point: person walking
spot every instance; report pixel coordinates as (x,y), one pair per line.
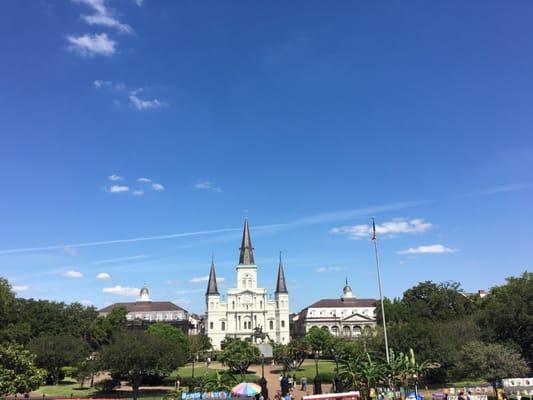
(303,382)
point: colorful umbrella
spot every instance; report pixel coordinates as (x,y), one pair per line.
(246,389)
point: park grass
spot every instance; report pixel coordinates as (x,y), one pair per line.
(308,369)
(66,388)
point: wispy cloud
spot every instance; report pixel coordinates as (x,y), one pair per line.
(70,251)
(91,45)
(503,189)
(138,192)
(20,288)
(119,189)
(144,180)
(103,16)
(143,104)
(309,220)
(202,279)
(390,228)
(103,276)
(329,269)
(115,178)
(431,249)
(157,187)
(73,274)
(119,290)
(118,259)
(207,185)
(101,84)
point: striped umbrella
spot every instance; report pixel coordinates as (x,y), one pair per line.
(246,389)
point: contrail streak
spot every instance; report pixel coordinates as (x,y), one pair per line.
(315,219)
(106,242)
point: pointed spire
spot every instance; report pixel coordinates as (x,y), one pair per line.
(281,286)
(246,257)
(212,283)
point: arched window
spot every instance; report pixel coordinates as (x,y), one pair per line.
(346,331)
(223,326)
(261,304)
(335,330)
(357,331)
(271,325)
(283,324)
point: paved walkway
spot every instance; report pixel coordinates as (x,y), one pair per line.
(272,376)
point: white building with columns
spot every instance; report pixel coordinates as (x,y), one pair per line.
(247,307)
(345,316)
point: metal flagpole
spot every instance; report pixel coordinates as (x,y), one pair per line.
(375,240)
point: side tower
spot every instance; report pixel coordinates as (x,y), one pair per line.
(214,316)
(282,306)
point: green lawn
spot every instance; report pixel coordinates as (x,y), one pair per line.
(66,388)
(200,370)
(309,371)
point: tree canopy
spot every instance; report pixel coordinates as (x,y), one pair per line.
(18,373)
(136,355)
(238,355)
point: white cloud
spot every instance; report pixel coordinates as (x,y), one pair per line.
(122,291)
(73,274)
(103,16)
(90,45)
(207,185)
(202,279)
(329,269)
(144,180)
(115,178)
(157,187)
(137,192)
(70,251)
(390,228)
(143,105)
(100,84)
(104,276)
(107,20)
(119,189)
(20,288)
(431,249)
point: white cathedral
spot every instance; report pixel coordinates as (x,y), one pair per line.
(248,307)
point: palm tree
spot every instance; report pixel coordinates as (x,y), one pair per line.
(219,381)
(364,373)
(397,369)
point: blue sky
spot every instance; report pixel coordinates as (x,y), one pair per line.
(311,115)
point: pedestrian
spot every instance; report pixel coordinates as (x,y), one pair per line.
(291,383)
(303,381)
(294,381)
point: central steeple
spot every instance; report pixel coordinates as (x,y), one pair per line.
(246,256)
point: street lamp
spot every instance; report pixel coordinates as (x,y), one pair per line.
(415,377)
(338,382)
(263,381)
(317,383)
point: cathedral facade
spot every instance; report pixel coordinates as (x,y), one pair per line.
(247,308)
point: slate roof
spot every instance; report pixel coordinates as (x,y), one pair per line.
(281,285)
(339,303)
(144,306)
(246,255)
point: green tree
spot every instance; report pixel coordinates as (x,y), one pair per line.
(18,373)
(238,355)
(491,361)
(506,314)
(138,355)
(364,373)
(172,333)
(7,299)
(54,352)
(319,339)
(291,355)
(200,343)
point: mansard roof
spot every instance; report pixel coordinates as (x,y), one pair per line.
(340,303)
(246,256)
(143,306)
